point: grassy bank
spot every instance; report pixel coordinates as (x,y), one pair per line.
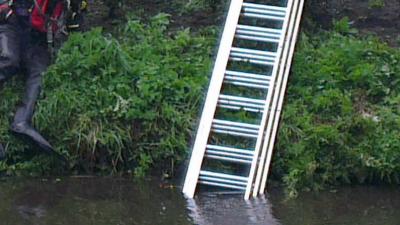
(341,119)
(116,104)
(130,103)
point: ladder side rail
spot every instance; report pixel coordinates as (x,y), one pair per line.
(277,93)
(210,105)
(282,97)
(268,99)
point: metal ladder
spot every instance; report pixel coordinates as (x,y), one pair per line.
(246,70)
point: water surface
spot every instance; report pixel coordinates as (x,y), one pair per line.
(107,201)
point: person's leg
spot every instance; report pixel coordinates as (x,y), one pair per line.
(2,152)
(9,49)
(9,56)
(36,61)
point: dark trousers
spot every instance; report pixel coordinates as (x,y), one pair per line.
(23,52)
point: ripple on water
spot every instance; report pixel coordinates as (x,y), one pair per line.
(107,201)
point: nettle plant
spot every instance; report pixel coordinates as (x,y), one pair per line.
(122,104)
(341,119)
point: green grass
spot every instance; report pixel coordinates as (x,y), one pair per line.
(131,103)
(341,119)
(118,104)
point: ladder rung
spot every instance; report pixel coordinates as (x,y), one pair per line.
(258,78)
(248,75)
(264,11)
(228,149)
(258,33)
(259,62)
(273,32)
(247,79)
(243,99)
(220,180)
(235,128)
(262,16)
(249,56)
(237,124)
(225,177)
(228,158)
(229,154)
(253,56)
(253,52)
(267,7)
(234,102)
(221,185)
(238,83)
(254,38)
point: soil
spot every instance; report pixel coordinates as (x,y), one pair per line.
(99,14)
(383,20)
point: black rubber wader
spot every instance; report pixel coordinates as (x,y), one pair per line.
(24,50)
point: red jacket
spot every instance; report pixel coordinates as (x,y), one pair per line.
(41,14)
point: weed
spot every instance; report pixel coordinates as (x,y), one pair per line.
(376,4)
(340,121)
(121,104)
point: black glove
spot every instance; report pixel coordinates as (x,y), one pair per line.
(75,20)
(5,11)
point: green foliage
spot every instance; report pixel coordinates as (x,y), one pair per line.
(185,6)
(343,26)
(376,4)
(130,103)
(341,120)
(120,104)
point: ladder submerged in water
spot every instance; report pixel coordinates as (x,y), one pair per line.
(237,130)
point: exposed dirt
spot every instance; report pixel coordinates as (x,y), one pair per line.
(382,20)
(99,14)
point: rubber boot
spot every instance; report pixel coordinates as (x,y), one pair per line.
(9,60)
(36,63)
(2,152)
(2,79)
(23,127)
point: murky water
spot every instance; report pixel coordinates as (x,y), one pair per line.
(106,201)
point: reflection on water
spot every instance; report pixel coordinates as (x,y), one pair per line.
(90,201)
(124,202)
(215,209)
(344,206)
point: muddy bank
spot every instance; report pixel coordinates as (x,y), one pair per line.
(379,17)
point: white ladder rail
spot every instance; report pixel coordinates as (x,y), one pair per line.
(277,95)
(281,99)
(210,106)
(269,107)
(268,99)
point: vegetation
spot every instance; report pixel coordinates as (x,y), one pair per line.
(341,120)
(115,105)
(376,4)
